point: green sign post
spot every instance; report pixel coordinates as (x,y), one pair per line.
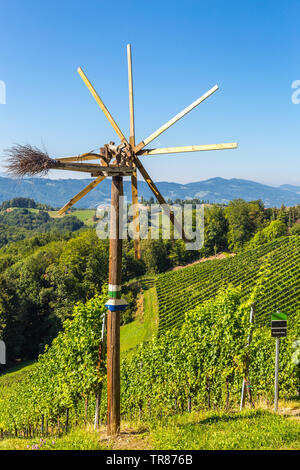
(278,330)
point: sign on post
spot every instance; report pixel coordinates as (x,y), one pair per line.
(278,330)
(278,325)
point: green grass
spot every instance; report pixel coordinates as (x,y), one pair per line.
(85,215)
(16,372)
(143,327)
(255,430)
(21,366)
(77,439)
(53,214)
(250,429)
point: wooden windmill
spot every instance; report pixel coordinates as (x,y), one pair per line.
(114,161)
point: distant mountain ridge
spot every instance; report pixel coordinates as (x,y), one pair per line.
(290,187)
(215,190)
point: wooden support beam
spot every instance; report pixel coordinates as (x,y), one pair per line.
(176,118)
(81,194)
(102,106)
(188,148)
(93,168)
(113,317)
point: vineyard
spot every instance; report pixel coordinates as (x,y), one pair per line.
(269,273)
(199,366)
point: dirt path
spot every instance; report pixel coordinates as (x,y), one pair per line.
(291,413)
(133,439)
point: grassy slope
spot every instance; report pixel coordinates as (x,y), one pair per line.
(145,325)
(259,429)
(85,215)
(250,429)
(14,374)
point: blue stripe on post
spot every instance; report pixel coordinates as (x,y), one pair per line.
(116,304)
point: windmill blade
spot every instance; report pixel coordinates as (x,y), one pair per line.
(160,199)
(102,105)
(131,101)
(188,148)
(176,118)
(81,194)
(134,188)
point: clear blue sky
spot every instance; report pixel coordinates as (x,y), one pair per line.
(180,50)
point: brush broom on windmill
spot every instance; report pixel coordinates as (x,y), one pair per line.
(115,161)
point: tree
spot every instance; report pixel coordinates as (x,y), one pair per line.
(216,227)
(155,255)
(295,230)
(283,215)
(244,218)
(274,230)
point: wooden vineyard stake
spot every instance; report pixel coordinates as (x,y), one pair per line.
(117,162)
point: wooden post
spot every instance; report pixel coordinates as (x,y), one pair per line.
(114,305)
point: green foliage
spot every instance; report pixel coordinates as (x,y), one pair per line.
(275,229)
(296,353)
(244,218)
(203,364)
(38,290)
(216,227)
(295,230)
(23,202)
(39,221)
(20,223)
(155,255)
(71,368)
(205,361)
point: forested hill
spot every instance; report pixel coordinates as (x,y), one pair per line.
(215,190)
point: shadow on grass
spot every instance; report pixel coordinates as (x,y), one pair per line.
(295,398)
(219,418)
(144,283)
(147,283)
